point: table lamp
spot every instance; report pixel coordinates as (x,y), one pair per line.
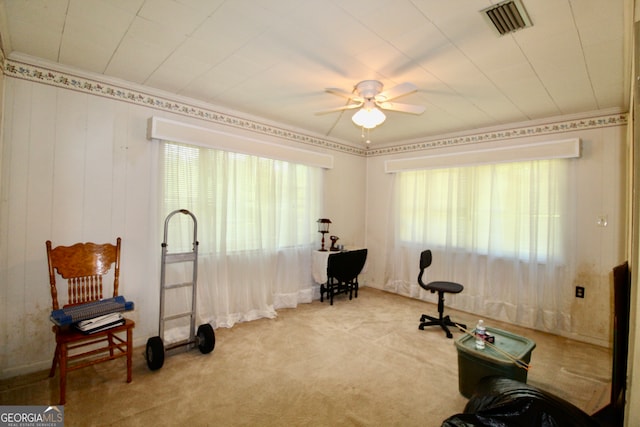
(323,227)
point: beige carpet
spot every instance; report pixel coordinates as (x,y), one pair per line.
(357,363)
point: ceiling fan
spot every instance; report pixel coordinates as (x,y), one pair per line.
(369,97)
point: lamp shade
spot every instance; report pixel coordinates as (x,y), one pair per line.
(323,225)
(368,118)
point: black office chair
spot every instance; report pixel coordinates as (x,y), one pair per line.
(441,288)
(343,269)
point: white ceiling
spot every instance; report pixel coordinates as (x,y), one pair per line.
(274,58)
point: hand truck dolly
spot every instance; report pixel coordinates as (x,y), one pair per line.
(204,338)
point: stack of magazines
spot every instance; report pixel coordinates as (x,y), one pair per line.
(100,323)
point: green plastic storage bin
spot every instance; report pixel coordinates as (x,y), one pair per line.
(474,364)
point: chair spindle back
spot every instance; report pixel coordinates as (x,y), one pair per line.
(83,265)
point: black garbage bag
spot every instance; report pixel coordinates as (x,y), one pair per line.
(503,402)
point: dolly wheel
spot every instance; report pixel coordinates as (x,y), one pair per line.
(206,338)
(155,353)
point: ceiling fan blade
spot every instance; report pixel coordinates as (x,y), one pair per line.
(344,93)
(396,92)
(403,108)
(344,107)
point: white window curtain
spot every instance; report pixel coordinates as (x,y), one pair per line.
(504,231)
(255,226)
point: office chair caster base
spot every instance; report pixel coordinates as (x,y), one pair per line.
(436,323)
(444,323)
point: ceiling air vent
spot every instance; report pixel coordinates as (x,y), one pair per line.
(508,16)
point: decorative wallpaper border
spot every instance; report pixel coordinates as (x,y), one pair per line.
(602,121)
(50,76)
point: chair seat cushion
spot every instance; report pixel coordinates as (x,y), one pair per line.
(450,287)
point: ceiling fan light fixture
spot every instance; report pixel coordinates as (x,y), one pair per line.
(369,98)
(368,118)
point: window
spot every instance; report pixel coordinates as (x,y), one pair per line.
(255,227)
(242,202)
(513,210)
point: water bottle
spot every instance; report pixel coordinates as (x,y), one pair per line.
(481,331)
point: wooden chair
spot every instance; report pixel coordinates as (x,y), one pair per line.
(84,265)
